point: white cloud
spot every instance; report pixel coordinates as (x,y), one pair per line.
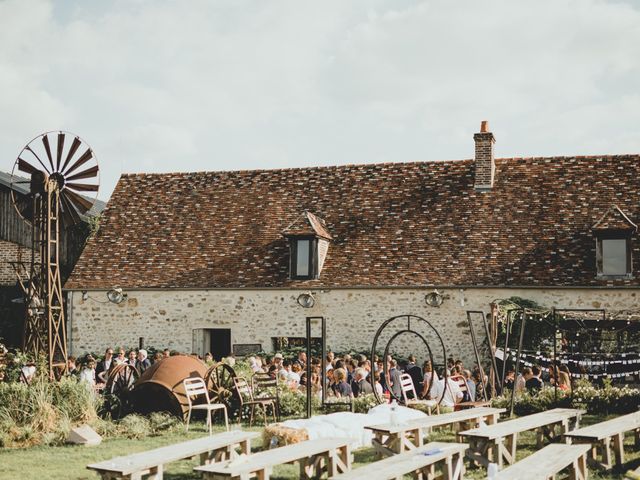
(171,85)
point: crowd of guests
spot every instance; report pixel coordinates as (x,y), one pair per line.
(346,376)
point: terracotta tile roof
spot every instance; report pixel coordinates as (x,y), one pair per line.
(308,224)
(614,219)
(396,224)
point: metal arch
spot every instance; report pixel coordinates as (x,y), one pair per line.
(408,330)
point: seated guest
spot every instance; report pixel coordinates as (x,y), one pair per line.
(447,397)
(534,383)
(360,385)
(378,385)
(510,378)
(132,357)
(208,358)
(273,371)
(429,376)
(88,372)
(121,357)
(470,394)
(143,362)
(294,376)
(166,353)
(340,386)
(480,382)
(157,357)
(564,378)
(72,369)
(103,367)
(521,381)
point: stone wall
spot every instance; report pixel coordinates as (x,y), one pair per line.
(168,318)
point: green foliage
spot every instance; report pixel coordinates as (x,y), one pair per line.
(597,401)
(44,412)
(608,399)
(363,403)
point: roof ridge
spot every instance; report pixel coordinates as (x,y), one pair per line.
(371,165)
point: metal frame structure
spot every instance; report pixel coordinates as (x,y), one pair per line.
(402,331)
(323,373)
(53,203)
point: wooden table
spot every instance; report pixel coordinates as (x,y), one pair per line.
(214,448)
(421,463)
(393,439)
(546,463)
(498,443)
(605,435)
(323,455)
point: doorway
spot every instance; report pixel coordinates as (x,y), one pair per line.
(214,340)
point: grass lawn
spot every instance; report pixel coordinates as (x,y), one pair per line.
(69,462)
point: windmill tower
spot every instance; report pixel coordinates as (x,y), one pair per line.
(59,187)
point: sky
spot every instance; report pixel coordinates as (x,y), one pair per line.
(165,86)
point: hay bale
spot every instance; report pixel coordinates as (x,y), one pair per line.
(281,435)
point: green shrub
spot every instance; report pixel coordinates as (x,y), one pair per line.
(363,403)
(599,401)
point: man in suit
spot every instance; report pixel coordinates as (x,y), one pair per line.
(360,385)
(415,372)
(102,369)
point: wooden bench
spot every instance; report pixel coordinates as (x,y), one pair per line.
(497,443)
(331,455)
(546,463)
(393,439)
(447,457)
(607,435)
(211,448)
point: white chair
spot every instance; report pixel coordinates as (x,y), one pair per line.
(194,387)
(406,385)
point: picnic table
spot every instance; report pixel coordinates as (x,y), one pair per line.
(498,443)
(214,448)
(391,439)
(330,455)
(447,457)
(605,435)
(546,463)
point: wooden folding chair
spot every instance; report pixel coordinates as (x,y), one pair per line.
(245,395)
(265,387)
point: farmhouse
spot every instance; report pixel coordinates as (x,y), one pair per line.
(210,260)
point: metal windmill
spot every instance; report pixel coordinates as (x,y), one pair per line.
(54,203)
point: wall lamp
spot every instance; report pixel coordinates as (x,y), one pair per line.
(115,295)
(434,299)
(306,300)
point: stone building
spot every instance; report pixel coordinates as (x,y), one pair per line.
(210,260)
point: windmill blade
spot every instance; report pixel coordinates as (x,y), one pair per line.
(60,149)
(82,204)
(47,148)
(88,173)
(84,187)
(86,156)
(37,158)
(26,167)
(74,146)
(69,212)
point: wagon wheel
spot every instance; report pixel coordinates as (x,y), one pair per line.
(119,384)
(219,379)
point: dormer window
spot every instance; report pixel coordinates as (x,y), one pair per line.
(614,233)
(309,244)
(302,258)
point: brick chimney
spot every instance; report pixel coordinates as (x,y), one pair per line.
(485,164)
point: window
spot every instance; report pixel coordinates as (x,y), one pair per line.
(614,256)
(303,258)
